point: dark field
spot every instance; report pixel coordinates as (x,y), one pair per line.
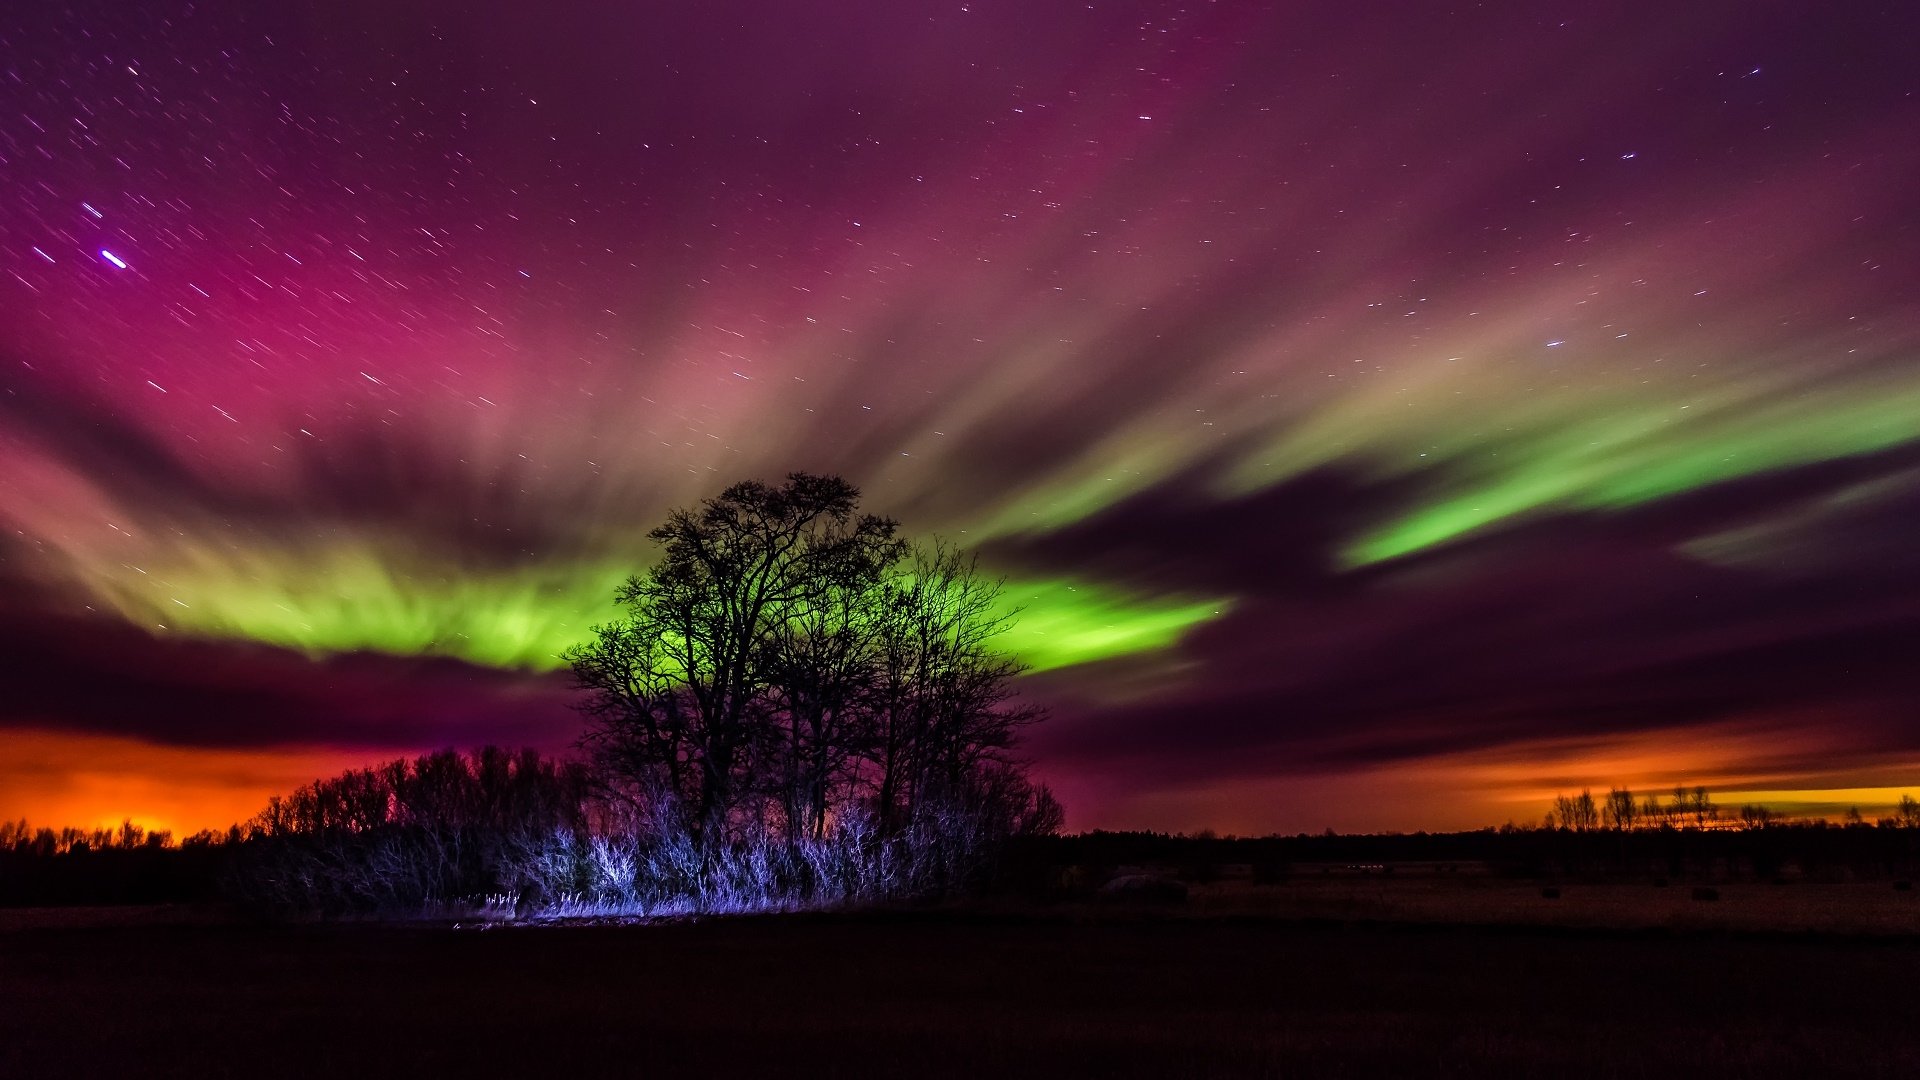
(950,995)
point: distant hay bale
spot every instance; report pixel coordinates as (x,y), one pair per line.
(1706,892)
(1551,892)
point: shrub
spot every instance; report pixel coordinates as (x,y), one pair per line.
(492,835)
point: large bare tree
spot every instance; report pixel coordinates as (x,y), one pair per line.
(791,658)
(680,689)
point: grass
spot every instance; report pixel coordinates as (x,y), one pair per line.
(1853,908)
(1209,992)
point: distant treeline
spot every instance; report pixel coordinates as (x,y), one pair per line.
(1690,809)
(467,845)
(1808,850)
(124,865)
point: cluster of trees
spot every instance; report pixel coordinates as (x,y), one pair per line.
(791,662)
(1689,809)
(21,837)
(122,864)
(1906,815)
(413,834)
(797,707)
(488,790)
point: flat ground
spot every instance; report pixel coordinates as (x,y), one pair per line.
(1826,908)
(927,994)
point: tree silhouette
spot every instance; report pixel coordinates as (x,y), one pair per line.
(944,703)
(1620,811)
(790,659)
(679,689)
(1575,812)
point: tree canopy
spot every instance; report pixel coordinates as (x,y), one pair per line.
(790,660)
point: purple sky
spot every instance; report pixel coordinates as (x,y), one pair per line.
(1388,419)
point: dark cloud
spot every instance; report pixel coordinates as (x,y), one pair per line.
(102,676)
(1579,624)
(1180,536)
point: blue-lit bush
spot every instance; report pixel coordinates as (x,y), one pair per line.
(517,836)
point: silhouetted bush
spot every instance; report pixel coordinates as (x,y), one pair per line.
(520,836)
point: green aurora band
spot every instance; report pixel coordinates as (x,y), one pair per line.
(353,601)
(1630,459)
(360,597)
(1572,453)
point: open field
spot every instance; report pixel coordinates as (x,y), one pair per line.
(944,994)
(1854,908)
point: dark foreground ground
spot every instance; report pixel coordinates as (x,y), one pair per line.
(934,995)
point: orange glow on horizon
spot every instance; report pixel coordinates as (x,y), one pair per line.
(1796,765)
(58,779)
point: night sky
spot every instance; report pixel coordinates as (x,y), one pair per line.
(1388,415)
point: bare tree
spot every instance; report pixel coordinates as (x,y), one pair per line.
(944,697)
(1702,807)
(680,686)
(1576,812)
(791,658)
(1621,812)
(820,668)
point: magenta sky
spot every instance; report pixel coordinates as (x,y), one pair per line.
(1388,418)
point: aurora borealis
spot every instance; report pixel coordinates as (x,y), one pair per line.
(1385,418)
